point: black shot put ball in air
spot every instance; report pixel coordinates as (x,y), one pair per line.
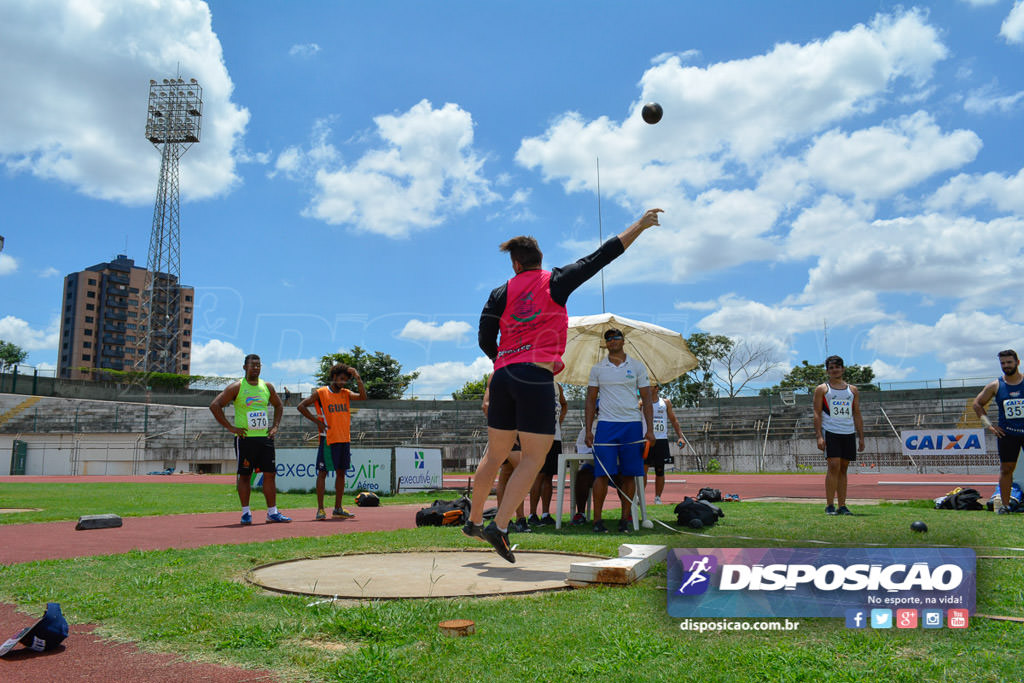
(652,112)
(919,526)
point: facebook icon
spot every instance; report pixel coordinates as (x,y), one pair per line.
(856,618)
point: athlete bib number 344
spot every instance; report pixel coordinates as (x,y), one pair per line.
(841,408)
(258,419)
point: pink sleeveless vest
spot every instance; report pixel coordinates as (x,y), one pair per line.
(533,327)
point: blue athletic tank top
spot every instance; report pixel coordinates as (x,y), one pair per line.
(1010,399)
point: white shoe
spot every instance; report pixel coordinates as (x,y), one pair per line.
(657,500)
(647,524)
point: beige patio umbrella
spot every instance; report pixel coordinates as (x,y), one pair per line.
(661,350)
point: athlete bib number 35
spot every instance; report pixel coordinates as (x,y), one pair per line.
(1013,408)
(258,419)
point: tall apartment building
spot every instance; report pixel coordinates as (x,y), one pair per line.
(102,322)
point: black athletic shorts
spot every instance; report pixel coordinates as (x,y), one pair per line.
(522,397)
(550,465)
(841,446)
(255,454)
(341,456)
(1009,447)
(659,456)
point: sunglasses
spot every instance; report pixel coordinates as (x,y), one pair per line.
(614,336)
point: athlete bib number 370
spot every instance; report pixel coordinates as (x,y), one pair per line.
(258,419)
(1013,408)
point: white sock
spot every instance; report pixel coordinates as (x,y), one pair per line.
(504,531)
(246,510)
(545,515)
(272,511)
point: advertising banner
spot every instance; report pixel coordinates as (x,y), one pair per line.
(818,582)
(370,470)
(943,442)
(418,469)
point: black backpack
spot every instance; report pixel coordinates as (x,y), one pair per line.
(709,494)
(367,499)
(960,499)
(444,513)
(697,513)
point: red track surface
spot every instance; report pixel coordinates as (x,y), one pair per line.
(87,658)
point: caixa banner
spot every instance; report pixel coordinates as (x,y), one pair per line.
(943,442)
(816,582)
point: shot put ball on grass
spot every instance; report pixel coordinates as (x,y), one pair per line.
(919,526)
(652,112)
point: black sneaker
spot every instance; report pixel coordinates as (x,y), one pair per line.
(534,519)
(600,528)
(499,540)
(1003,511)
(578,519)
(843,510)
(830,509)
(522,526)
(547,520)
(474,530)
(625,526)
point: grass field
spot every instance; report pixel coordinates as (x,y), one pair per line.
(195,603)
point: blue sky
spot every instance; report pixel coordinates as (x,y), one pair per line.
(851,165)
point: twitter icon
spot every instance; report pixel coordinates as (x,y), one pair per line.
(881,618)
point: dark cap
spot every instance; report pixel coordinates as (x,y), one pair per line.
(608,334)
(46,634)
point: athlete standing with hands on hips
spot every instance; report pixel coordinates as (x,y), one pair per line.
(1008,391)
(254,435)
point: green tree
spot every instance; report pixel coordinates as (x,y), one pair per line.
(700,382)
(574,392)
(381,373)
(805,377)
(11,354)
(471,390)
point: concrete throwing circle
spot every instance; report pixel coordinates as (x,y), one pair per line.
(418,574)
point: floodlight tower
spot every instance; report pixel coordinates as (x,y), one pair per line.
(172,125)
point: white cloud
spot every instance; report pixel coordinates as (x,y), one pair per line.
(8,264)
(966,342)
(298,366)
(217,357)
(714,162)
(940,255)
(880,161)
(885,372)
(305,50)
(994,189)
(451,330)
(21,333)
(49,271)
(73,100)
(1013,26)
(984,100)
(980,3)
(441,379)
(425,171)
(696,305)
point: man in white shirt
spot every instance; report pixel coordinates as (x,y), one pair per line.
(618,441)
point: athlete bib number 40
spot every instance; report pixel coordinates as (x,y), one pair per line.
(258,419)
(1013,408)
(660,428)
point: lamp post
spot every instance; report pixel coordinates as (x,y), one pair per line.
(173,124)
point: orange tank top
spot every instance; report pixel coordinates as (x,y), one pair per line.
(336,414)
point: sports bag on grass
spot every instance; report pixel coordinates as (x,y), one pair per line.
(700,510)
(444,513)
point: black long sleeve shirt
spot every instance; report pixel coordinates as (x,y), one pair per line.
(563,282)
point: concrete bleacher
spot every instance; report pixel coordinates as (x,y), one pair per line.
(756,428)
